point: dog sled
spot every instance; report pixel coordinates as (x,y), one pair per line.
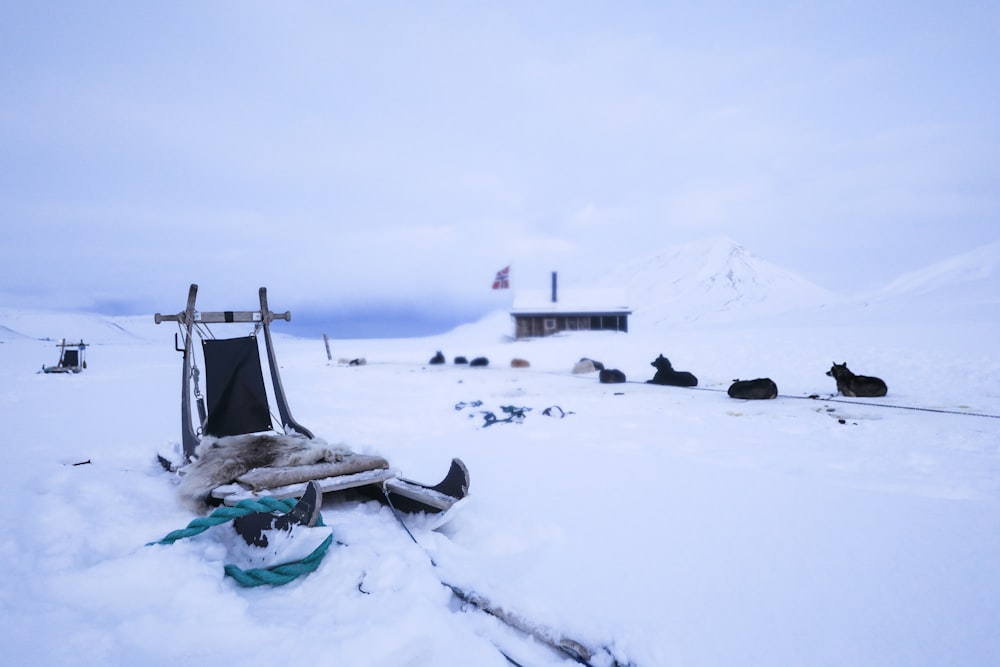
(70,358)
(232,450)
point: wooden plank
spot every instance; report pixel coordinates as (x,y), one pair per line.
(269,478)
(231,496)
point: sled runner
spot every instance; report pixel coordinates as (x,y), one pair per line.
(232,450)
(70,358)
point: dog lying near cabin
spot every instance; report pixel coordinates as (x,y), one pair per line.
(665,374)
(761,388)
(853,385)
(219,461)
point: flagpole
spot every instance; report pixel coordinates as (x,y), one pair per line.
(510,295)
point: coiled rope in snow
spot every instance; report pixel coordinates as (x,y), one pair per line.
(272,576)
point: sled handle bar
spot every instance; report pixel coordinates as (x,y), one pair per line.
(224,316)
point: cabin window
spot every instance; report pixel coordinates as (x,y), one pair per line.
(550,324)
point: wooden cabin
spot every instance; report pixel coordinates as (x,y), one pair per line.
(538,313)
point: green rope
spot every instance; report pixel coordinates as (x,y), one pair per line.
(279,575)
(272,576)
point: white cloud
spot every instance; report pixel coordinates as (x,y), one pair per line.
(345,150)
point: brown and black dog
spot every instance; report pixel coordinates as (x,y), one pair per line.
(853,385)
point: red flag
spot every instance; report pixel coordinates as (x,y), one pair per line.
(502,281)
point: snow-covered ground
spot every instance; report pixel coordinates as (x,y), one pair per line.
(676,526)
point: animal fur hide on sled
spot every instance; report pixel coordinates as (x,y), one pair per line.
(219,461)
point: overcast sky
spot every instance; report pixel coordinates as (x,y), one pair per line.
(395,155)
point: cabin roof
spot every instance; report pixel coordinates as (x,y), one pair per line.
(529,302)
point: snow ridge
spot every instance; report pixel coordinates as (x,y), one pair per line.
(16,324)
(977,270)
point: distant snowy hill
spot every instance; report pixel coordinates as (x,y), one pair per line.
(975,274)
(19,324)
(715,280)
(965,287)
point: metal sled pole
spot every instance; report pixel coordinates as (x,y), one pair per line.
(187,321)
(279,391)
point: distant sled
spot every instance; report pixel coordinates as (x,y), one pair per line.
(231,449)
(70,358)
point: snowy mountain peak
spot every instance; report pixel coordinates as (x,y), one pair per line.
(711,279)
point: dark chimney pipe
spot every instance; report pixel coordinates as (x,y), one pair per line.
(554,299)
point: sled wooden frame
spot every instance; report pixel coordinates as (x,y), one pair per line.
(354,471)
(371,471)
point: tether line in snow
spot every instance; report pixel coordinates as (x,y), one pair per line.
(898,407)
(831,399)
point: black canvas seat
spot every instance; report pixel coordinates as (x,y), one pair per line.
(70,358)
(236,399)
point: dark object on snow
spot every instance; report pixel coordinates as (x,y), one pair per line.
(514,415)
(479,362)
(437,358)
(586,365)
(517,362)
(70,360)
(761,388)
(853,385)
(611,376)
(253,528)
(666,375)
(459,361)
(231,449)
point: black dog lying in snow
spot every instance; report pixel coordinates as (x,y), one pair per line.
(611,376)
(665,374)
(761,388)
